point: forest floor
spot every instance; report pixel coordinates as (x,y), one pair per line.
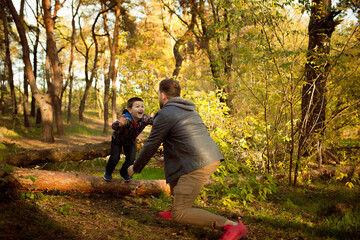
(83,216)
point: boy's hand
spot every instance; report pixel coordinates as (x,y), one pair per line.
(131,171)
(122,120)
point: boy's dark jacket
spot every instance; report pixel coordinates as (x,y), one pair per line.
(127,134)
(187,144)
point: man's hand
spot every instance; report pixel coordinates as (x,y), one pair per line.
(159,161)
(131,171)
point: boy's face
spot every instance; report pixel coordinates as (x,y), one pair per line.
(137,110)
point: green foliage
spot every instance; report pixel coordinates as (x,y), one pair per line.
(6,168)
(348,221)
(236,181)
(64,210)
(235,184)
(162,202)
(32,196)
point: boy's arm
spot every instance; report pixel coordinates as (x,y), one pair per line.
(121,122)
(149,119)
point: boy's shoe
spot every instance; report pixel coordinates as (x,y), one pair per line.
(165,215)
(126,177)
(234,232)
(107,177)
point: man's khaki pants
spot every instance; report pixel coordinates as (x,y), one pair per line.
(185,190)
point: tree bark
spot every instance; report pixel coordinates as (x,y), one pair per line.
(43,181)
(45,106)
(8,64)
(106,81)
(112,68)
(313,105)
(36,44)
(69,78)
(70,97)
(77,153)
(26,102)
(181,41)
(56,85)
(88,81)
(56,155)
(317,67)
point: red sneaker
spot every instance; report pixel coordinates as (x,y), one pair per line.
(234,232)
(165,215)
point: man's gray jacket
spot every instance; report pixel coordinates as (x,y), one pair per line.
(187,144)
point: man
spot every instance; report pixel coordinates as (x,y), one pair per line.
(190,157)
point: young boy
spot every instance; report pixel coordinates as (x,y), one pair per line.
(126,130)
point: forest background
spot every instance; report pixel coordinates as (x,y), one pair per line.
(276,82)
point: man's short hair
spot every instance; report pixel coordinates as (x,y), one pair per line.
(170,87)
(131,101)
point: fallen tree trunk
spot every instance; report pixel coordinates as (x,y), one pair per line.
(76,153)
(57,155)
(43,181)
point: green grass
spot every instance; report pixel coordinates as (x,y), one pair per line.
(97,166)
(91,126)
(150,173)
(322,211)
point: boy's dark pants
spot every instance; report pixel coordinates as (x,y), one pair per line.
(130,154)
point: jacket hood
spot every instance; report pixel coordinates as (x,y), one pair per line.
(128,115)
(180,103)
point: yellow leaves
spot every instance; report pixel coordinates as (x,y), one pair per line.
(349,185)
(341,176)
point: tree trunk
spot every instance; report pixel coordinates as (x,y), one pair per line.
(88,82)
(42,100)
(106,82)
(112,67)
(38,116)
(83,99)
(313,105)
(36,44)
(26,102)
(69,78)
(113,44)
(56,155)
(70,97)
(47,119)
(41,180)
(56,85)
(8,65)
(113,98)
(181,41)
(2,98)
(94,68)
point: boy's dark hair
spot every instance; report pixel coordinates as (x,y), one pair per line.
(131,101)
(170,87)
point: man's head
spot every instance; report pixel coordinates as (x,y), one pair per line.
(168,89)
(135,106)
